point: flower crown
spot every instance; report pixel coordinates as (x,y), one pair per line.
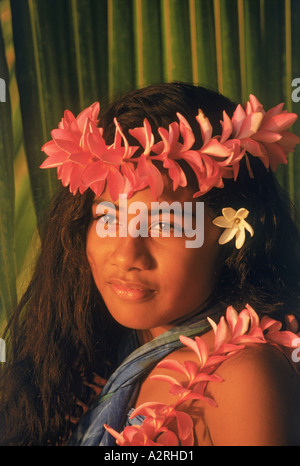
(84,160)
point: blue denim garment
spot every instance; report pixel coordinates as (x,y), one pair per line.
(119,393)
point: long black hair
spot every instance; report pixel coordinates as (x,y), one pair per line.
(61,332)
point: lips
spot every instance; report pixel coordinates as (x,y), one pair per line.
(130,290)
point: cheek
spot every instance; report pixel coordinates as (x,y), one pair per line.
(196,270)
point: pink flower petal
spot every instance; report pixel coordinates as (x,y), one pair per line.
(67,145)
(51,148)
(280,122)
(199,347)
(81,158)
(114,433)
(95,172)
(55,160)
(168,379)
(126,150)
(115,182)
(226,127)
(205,127)
(267,136)
(64,135)
(75,177)
(191,368)
(221,334)
(168,439)
(144,136)
(90,113)
(272,325)
(198,396)
(185,427)
(98,187)
(273,111)
(253,317)
(231,316)
(151,409)
(202,377)
(173,365)
(288,141)
(186,132)
(147,170)
(237,119)
(256,106)
(282,338)
(216,149)
(68,121)
(276,155)
(242,324)
(250,125)
(175,173)
(95,141)
(254,148)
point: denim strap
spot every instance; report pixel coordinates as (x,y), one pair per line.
(120,391)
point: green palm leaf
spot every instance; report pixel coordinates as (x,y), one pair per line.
(8,290)
(70,53)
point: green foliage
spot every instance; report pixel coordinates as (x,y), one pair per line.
(59,54)
(8,289)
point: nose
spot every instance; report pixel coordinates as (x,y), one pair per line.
(132,254)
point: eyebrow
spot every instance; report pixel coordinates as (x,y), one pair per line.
(150,210)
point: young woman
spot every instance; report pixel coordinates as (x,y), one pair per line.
(184,334)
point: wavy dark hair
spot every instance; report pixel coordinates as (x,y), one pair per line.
(62,333)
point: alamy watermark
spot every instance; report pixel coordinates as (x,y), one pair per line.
(164,220)
(296,351)
(2,350)
(296,91)
(2,90)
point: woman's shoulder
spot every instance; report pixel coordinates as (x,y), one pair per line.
(152,390)
(254,398)
(258,401)
(262,362)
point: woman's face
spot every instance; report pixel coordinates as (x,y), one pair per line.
(151,282)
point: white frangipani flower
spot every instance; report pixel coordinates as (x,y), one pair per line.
(234,223)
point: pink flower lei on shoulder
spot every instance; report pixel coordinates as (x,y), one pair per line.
(84,160)
(232,334)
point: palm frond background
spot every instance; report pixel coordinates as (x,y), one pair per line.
(58,54)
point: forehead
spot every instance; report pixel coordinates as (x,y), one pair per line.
(169,195)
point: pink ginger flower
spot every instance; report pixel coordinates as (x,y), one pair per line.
(111,164)
(155,431)
(70,141)
(262,134)
(83,159)
(147,173)
(274,334)
(233,332)
(203,161)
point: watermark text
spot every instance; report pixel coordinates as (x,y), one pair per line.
(2,90)
(2,350)
(296,91)
(296,351)
(163,219)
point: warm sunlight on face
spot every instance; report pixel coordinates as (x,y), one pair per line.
(151,282)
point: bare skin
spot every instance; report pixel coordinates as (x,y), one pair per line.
(259,398)
(258,402)
(151,283)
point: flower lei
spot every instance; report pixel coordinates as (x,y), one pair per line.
(232,334)
(84,160)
